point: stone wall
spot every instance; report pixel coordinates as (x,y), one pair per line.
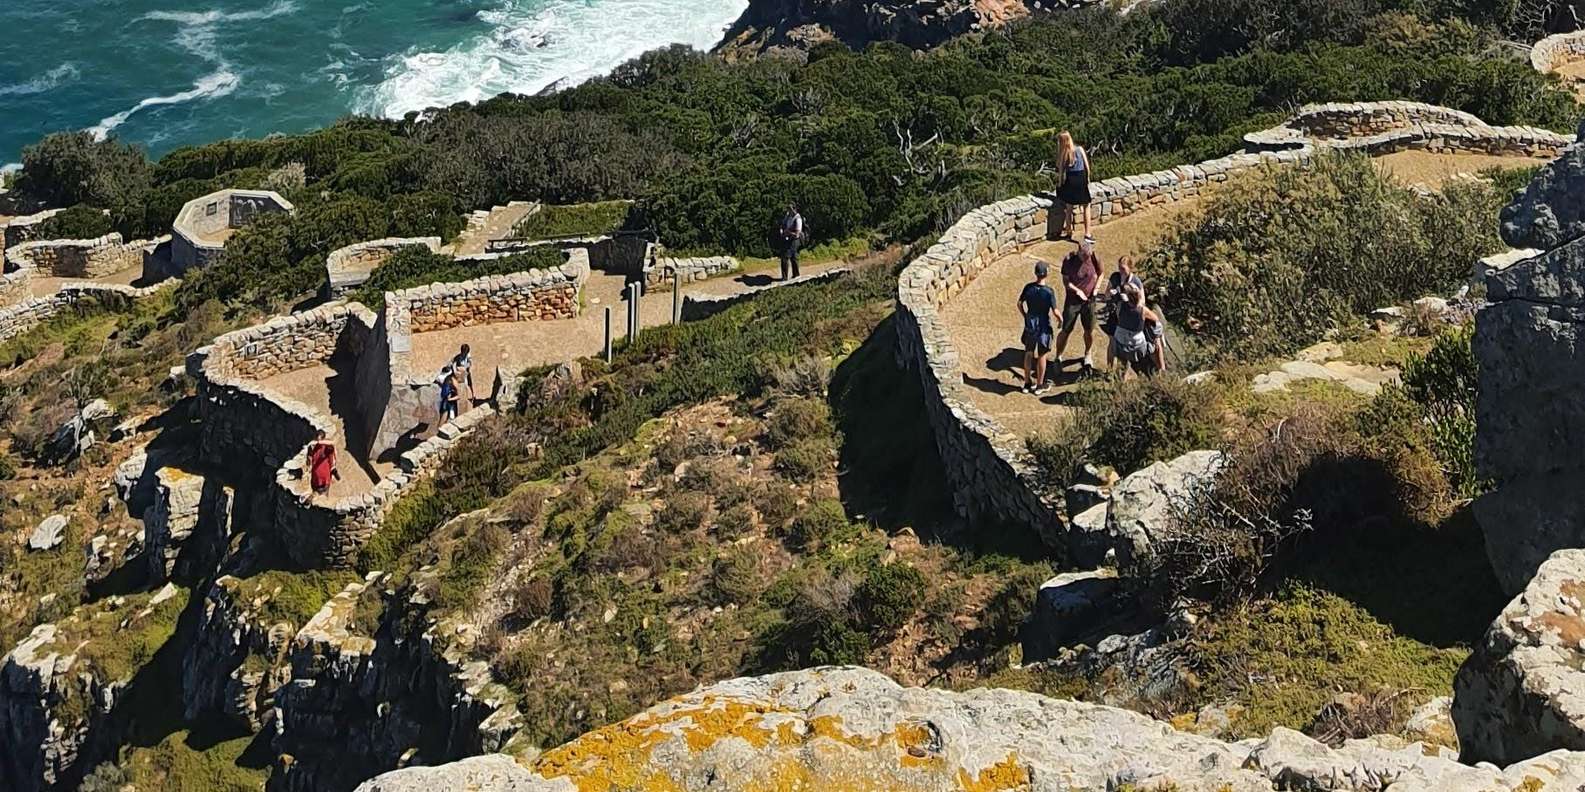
(705,306)
(77,258)
(14,286)
(629,254)
(24,316)
(537,295)
(410,397)
(351,266)
(288,343)
(1557,50)
(689,269)
(25,228)
(989,469)
(197,228)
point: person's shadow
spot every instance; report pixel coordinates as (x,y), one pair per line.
(756,280)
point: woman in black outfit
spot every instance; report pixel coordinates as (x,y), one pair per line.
(1074,164)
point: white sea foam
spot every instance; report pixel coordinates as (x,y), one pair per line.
(537,43)
(45,82)
(196,34)
(215,84)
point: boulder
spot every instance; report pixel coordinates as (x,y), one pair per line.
(1142,503)
(187,523)
(1522,692)
(1549,211)
(1531,402)
(76,435)
(49,533)
(1069,606)
(850,728)
(1432,723)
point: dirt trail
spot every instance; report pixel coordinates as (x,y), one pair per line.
(986,326)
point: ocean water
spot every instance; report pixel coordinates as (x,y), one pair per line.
(163,74)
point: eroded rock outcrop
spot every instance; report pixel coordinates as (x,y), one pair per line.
(1141,505)
(795,26)
(1551,210)
(1522,693)
(232,667)
(850,728)
(186,525)
(1530,342)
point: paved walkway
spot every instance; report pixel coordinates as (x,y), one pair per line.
(498,225)
(329,391)
(986,326)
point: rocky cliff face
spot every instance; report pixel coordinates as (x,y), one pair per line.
(793,26)
(232,666)
(1530,341)
(1519,695)
(849,728)
(1551,210)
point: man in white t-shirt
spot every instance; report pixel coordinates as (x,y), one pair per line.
(791,233)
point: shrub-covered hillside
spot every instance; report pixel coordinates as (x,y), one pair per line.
(886,142)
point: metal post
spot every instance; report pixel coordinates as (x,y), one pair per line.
(676,296)
(632,313)
(608,355)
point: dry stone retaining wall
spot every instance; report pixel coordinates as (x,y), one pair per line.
(689,269)
(536,295)
(25,228)
(78,258)
(1557,50)
(629,254)
(989,469)
(24,316)
(351,266)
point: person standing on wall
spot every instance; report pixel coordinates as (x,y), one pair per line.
(791,234)
(1036,303)
(1081,273)
(1073,167)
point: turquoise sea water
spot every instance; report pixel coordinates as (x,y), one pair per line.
(164,74)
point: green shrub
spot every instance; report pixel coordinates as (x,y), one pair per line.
(1127,426)
(577,220)
(730,523)
(735,576)
(889,597)
(776,504)
(796,419)
(683,512)
(835,642)
(70,168)
(78,222)
(821,523)
(805,460)
(1443,383)
(1281,256)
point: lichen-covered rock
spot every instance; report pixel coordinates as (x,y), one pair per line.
(186,524)
(1550,211)
(1531,402)
(1522,693)
(1142,503)
(835,729)
(49,533)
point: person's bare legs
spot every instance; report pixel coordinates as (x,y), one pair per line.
(1086,210)
(1029,365)
(1040,370)
(1061,345)
(1089,342)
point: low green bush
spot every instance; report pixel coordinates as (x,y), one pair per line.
(78,222)
(1127,426)
(821,523)
(576,220)
(1281,256)
(889,596)
(683,512)
(797,419)
(735,576)
(805,460)
(415,266)
(1443,383)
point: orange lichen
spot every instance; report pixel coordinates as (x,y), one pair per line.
(915,744)
(1006,774)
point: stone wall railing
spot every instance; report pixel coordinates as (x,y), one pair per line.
(689,269)
(24,316)
(78,258)
(351,266)
(627,254)
(410,397)
(25,228)
(15,286)
(284,344)
(989,469)
(1557,50)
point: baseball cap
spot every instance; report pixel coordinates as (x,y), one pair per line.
(1041,269)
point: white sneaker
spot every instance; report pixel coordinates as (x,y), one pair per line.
(1087,363)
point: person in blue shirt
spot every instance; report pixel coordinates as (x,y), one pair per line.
(1037,303)
(450,395)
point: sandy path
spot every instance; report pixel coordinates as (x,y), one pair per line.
(43,287)
(327,390)
(986,326)
(1573,73)
(525,344)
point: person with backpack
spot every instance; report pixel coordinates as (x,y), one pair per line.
(1037,303)
(1137,341)
(1081,273)
(791,234)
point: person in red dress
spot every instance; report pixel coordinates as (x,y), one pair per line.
(321,464)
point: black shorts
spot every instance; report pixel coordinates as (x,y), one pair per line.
(1075,309)
(1037,342)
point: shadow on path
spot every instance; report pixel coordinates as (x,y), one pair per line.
(343,390)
